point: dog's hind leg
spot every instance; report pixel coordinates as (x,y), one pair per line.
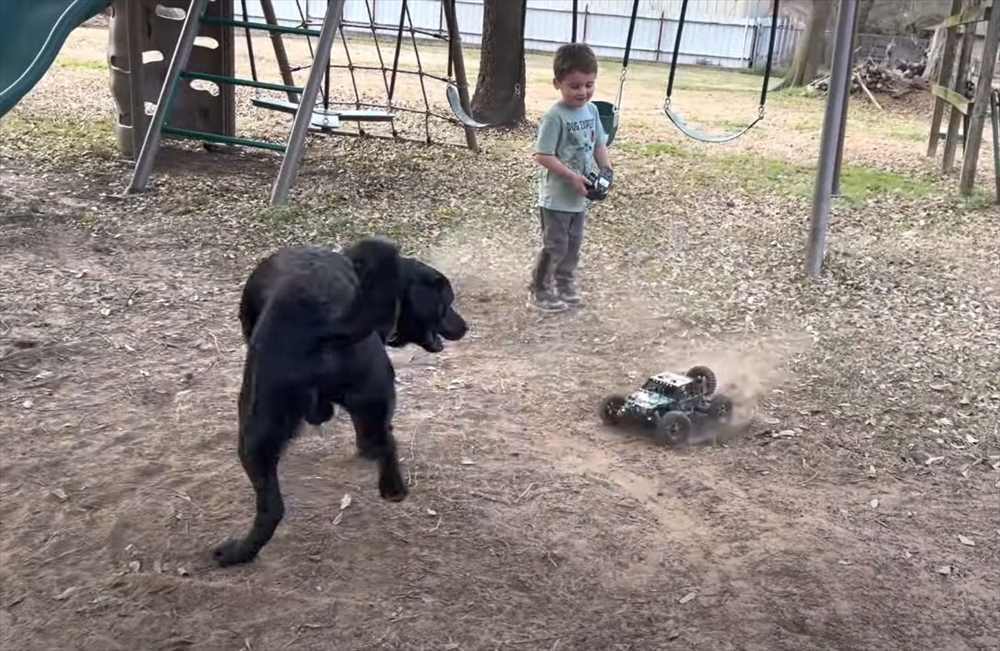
(373,431)
(262,439)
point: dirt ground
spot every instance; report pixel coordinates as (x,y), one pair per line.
(857,506)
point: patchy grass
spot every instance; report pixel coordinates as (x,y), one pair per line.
(63,135)
(83,64)
(857,183)
(909,132)
(982,198)
(729,124)
(654,149)
(809,125)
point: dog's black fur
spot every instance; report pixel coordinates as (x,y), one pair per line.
(316,322)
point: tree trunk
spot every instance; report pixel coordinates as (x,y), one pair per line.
(499,97)
(811,48)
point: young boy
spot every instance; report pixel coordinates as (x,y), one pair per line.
(571,144)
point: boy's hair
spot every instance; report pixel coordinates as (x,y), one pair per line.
(574,57)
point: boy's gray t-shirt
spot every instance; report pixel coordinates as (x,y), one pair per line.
(571,135)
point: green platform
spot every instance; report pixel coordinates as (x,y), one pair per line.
(31,34)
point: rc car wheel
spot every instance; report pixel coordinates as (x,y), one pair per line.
(720,408)
(705,378)
(611,409)
(673,428)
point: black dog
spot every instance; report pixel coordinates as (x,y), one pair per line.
(315,323)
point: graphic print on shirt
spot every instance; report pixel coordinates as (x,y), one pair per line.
(582,135)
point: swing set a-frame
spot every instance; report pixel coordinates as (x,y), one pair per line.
(312,111)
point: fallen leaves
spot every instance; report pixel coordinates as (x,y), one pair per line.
(67,593)
(345,502)
(688,597)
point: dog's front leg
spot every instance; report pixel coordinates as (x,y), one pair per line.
(373,432)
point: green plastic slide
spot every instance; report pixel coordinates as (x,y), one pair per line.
(31,34)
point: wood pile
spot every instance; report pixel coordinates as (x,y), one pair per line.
(873,77)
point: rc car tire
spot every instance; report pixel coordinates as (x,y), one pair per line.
(673,428)
(720,408)
(706,377)
(611,408)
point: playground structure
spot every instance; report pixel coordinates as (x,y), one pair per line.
(142,37)
(164,56)
(24,55)
(159,53)
(968,114)
(172,67)
(302,101)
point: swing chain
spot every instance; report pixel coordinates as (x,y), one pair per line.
(760,111)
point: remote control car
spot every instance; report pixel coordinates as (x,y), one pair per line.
(670,404)
(599,184)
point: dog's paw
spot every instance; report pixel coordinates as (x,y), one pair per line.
(391,487)
(233,552)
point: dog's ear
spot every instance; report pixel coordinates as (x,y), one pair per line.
(376,261)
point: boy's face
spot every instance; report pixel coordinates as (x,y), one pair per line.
(577,88)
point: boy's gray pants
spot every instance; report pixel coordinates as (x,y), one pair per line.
(562,235)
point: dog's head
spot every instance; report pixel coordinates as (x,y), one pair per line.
(425,315)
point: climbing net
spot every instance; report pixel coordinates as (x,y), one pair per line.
(367,90)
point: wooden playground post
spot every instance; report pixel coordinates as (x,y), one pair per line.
(279,49)
(944,72)
(137,107)
(958,112)
(981,103)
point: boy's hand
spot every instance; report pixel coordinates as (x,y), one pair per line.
(579,183)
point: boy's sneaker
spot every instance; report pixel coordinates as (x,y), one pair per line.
(547,302)
(569,295)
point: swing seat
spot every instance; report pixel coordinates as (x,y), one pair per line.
(609,118)
(702,136)
(325,118)
(455,102)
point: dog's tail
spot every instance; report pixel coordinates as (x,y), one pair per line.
(378,266)
(376,262)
